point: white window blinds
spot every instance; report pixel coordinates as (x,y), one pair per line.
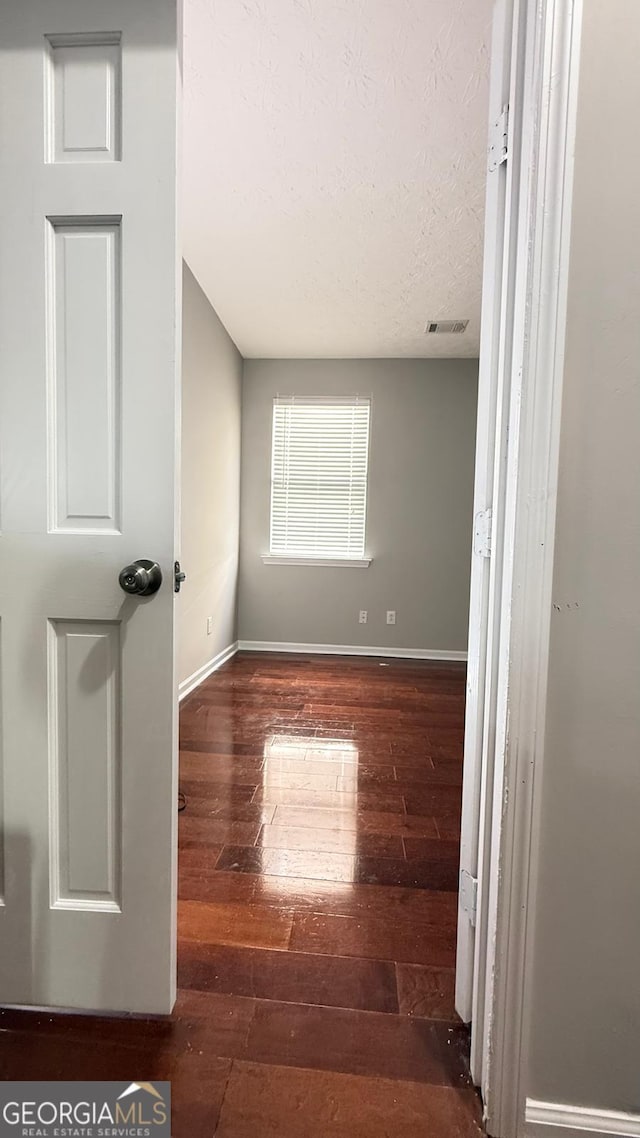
(319,477)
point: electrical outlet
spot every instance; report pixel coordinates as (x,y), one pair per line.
(363,616)
(391,616)
(209,625)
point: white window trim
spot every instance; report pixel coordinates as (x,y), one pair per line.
(327,562)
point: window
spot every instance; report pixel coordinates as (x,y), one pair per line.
(319,479)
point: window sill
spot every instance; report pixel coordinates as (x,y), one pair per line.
(322,562)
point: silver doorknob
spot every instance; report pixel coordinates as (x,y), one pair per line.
(141,579)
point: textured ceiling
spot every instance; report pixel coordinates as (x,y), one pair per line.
(334,166)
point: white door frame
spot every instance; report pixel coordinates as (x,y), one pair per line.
(490,388)
(546,60)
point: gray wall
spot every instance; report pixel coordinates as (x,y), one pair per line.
(211,405)
(419,515)
(585,1008)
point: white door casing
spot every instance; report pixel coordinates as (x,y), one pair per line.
(504,725)
(491,445)
(89,350)
(548,62)
(543,84)
(513,49)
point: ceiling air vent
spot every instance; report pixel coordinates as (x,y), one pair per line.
(446,326)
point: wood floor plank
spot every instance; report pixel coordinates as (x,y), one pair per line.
(250,924)
(427,991)
(360,821)
(358,1043)
(375,937)
(382,800)
(291,977)
(288,863)
(394,903)
(319,839)
(211,829)
(293,1103)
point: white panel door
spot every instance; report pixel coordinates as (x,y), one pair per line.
(89,311)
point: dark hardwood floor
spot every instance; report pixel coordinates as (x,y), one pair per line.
(317,879)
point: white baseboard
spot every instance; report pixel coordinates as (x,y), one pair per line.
(349,650)
(554,1120)
(192,681)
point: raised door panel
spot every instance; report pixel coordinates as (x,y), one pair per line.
(84,366)
(85,758)
(84,101)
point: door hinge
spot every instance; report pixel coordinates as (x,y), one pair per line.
(482,533)
(499,139)
(469,895)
